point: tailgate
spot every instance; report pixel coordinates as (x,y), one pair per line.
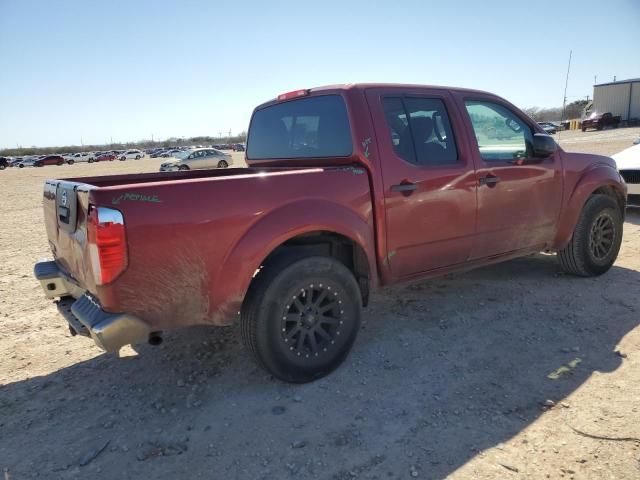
(65,214)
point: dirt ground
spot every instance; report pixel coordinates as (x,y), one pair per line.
(512,371)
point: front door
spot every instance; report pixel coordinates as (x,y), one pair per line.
(429,180)
(519,195)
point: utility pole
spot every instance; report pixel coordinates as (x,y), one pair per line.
(566,83)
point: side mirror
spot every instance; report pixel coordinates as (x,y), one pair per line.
(543,145)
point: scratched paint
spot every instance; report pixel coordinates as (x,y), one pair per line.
(365,144)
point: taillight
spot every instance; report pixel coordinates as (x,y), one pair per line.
(107,243)
(294,94)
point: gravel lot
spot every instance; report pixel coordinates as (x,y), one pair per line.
(511,371)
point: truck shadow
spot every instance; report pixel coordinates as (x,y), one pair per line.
(442,370)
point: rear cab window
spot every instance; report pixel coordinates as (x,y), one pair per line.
(312,127)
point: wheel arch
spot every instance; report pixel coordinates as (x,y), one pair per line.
(599,180)
(302,228)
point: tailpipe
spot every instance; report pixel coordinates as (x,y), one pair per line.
(155,338)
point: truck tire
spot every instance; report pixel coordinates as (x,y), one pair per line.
(596,239)
(301,317)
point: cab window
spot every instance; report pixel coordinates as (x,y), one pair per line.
(311,127)
(500,133)
(420,130)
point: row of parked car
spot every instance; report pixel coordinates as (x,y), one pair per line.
(70,158)
(166,152)
(209,157)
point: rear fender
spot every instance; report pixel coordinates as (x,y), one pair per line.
(598,177)
(271,231)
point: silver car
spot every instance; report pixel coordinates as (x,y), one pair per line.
(197,159)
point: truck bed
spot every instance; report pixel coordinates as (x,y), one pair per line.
(194,238)
(140,178)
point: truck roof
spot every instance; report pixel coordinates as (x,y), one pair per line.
(366,86)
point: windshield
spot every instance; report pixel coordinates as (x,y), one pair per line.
(306,128)
(181,154)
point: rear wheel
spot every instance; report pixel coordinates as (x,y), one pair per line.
(90,160)
(137,157)
(2,166)
(596,240)
(70,162)
(21,166)
(222,164)
(300,318)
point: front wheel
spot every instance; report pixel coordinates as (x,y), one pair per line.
(90,160)
(183,167)
(70,162)
(300,318)
(222,164)
(596,240)
(137,157)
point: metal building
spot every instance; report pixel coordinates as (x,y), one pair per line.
(620,98)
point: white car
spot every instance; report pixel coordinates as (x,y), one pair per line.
(27,162)
(196,159)
(80,157)
(628,162)
(129,154)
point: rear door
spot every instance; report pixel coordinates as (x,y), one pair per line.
(519,195)
(429,179)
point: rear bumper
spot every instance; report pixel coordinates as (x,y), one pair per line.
(84,314)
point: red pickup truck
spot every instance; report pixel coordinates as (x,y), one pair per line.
(348,188)
(600,121)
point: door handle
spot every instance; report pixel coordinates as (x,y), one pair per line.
(489,180)
(404,187)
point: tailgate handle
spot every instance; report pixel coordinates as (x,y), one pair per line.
(63,214)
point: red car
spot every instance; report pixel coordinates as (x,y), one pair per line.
(105,157)
(348,189)
(49,160)
(600,121)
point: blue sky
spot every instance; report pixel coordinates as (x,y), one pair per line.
(127,70)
